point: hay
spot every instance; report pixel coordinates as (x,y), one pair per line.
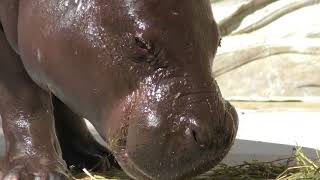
(305,168)
(296,167)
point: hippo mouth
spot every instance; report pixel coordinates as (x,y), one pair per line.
(193,168)
(128,165)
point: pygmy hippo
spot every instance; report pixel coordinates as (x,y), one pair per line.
(138,70)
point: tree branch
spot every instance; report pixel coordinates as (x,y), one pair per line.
(228,61)
(233,21)
(276,15)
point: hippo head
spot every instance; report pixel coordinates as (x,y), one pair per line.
(172,122)
(173,128)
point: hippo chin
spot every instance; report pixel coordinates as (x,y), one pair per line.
(139,70)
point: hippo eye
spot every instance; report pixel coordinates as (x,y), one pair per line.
(142,44)
(146,51)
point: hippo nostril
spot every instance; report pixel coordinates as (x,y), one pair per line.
(194,135)
(198,139)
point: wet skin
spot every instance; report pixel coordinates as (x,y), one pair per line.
(139,70)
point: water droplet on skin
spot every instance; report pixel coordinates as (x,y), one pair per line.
(185,82)
(39,56)
(173,104)
(177,95)
(79,6)
(175,13)
(66,3)
(182,119)
(187,131)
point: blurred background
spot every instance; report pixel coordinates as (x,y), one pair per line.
(268,66)
(270,48)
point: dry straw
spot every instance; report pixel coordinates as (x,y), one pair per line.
(296,167)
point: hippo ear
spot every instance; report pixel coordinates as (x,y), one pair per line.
(220,41)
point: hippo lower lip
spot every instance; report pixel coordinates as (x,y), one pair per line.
(130,167)
(200,165)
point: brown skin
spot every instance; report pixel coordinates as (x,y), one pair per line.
(140,71)
(80,149)
(26,113)
(9,21)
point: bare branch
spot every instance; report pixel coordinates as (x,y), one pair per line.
(233,21)
(276,15)
(228,61)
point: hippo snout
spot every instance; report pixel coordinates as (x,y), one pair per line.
(176,135)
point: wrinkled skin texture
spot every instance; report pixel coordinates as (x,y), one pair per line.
(139,70)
